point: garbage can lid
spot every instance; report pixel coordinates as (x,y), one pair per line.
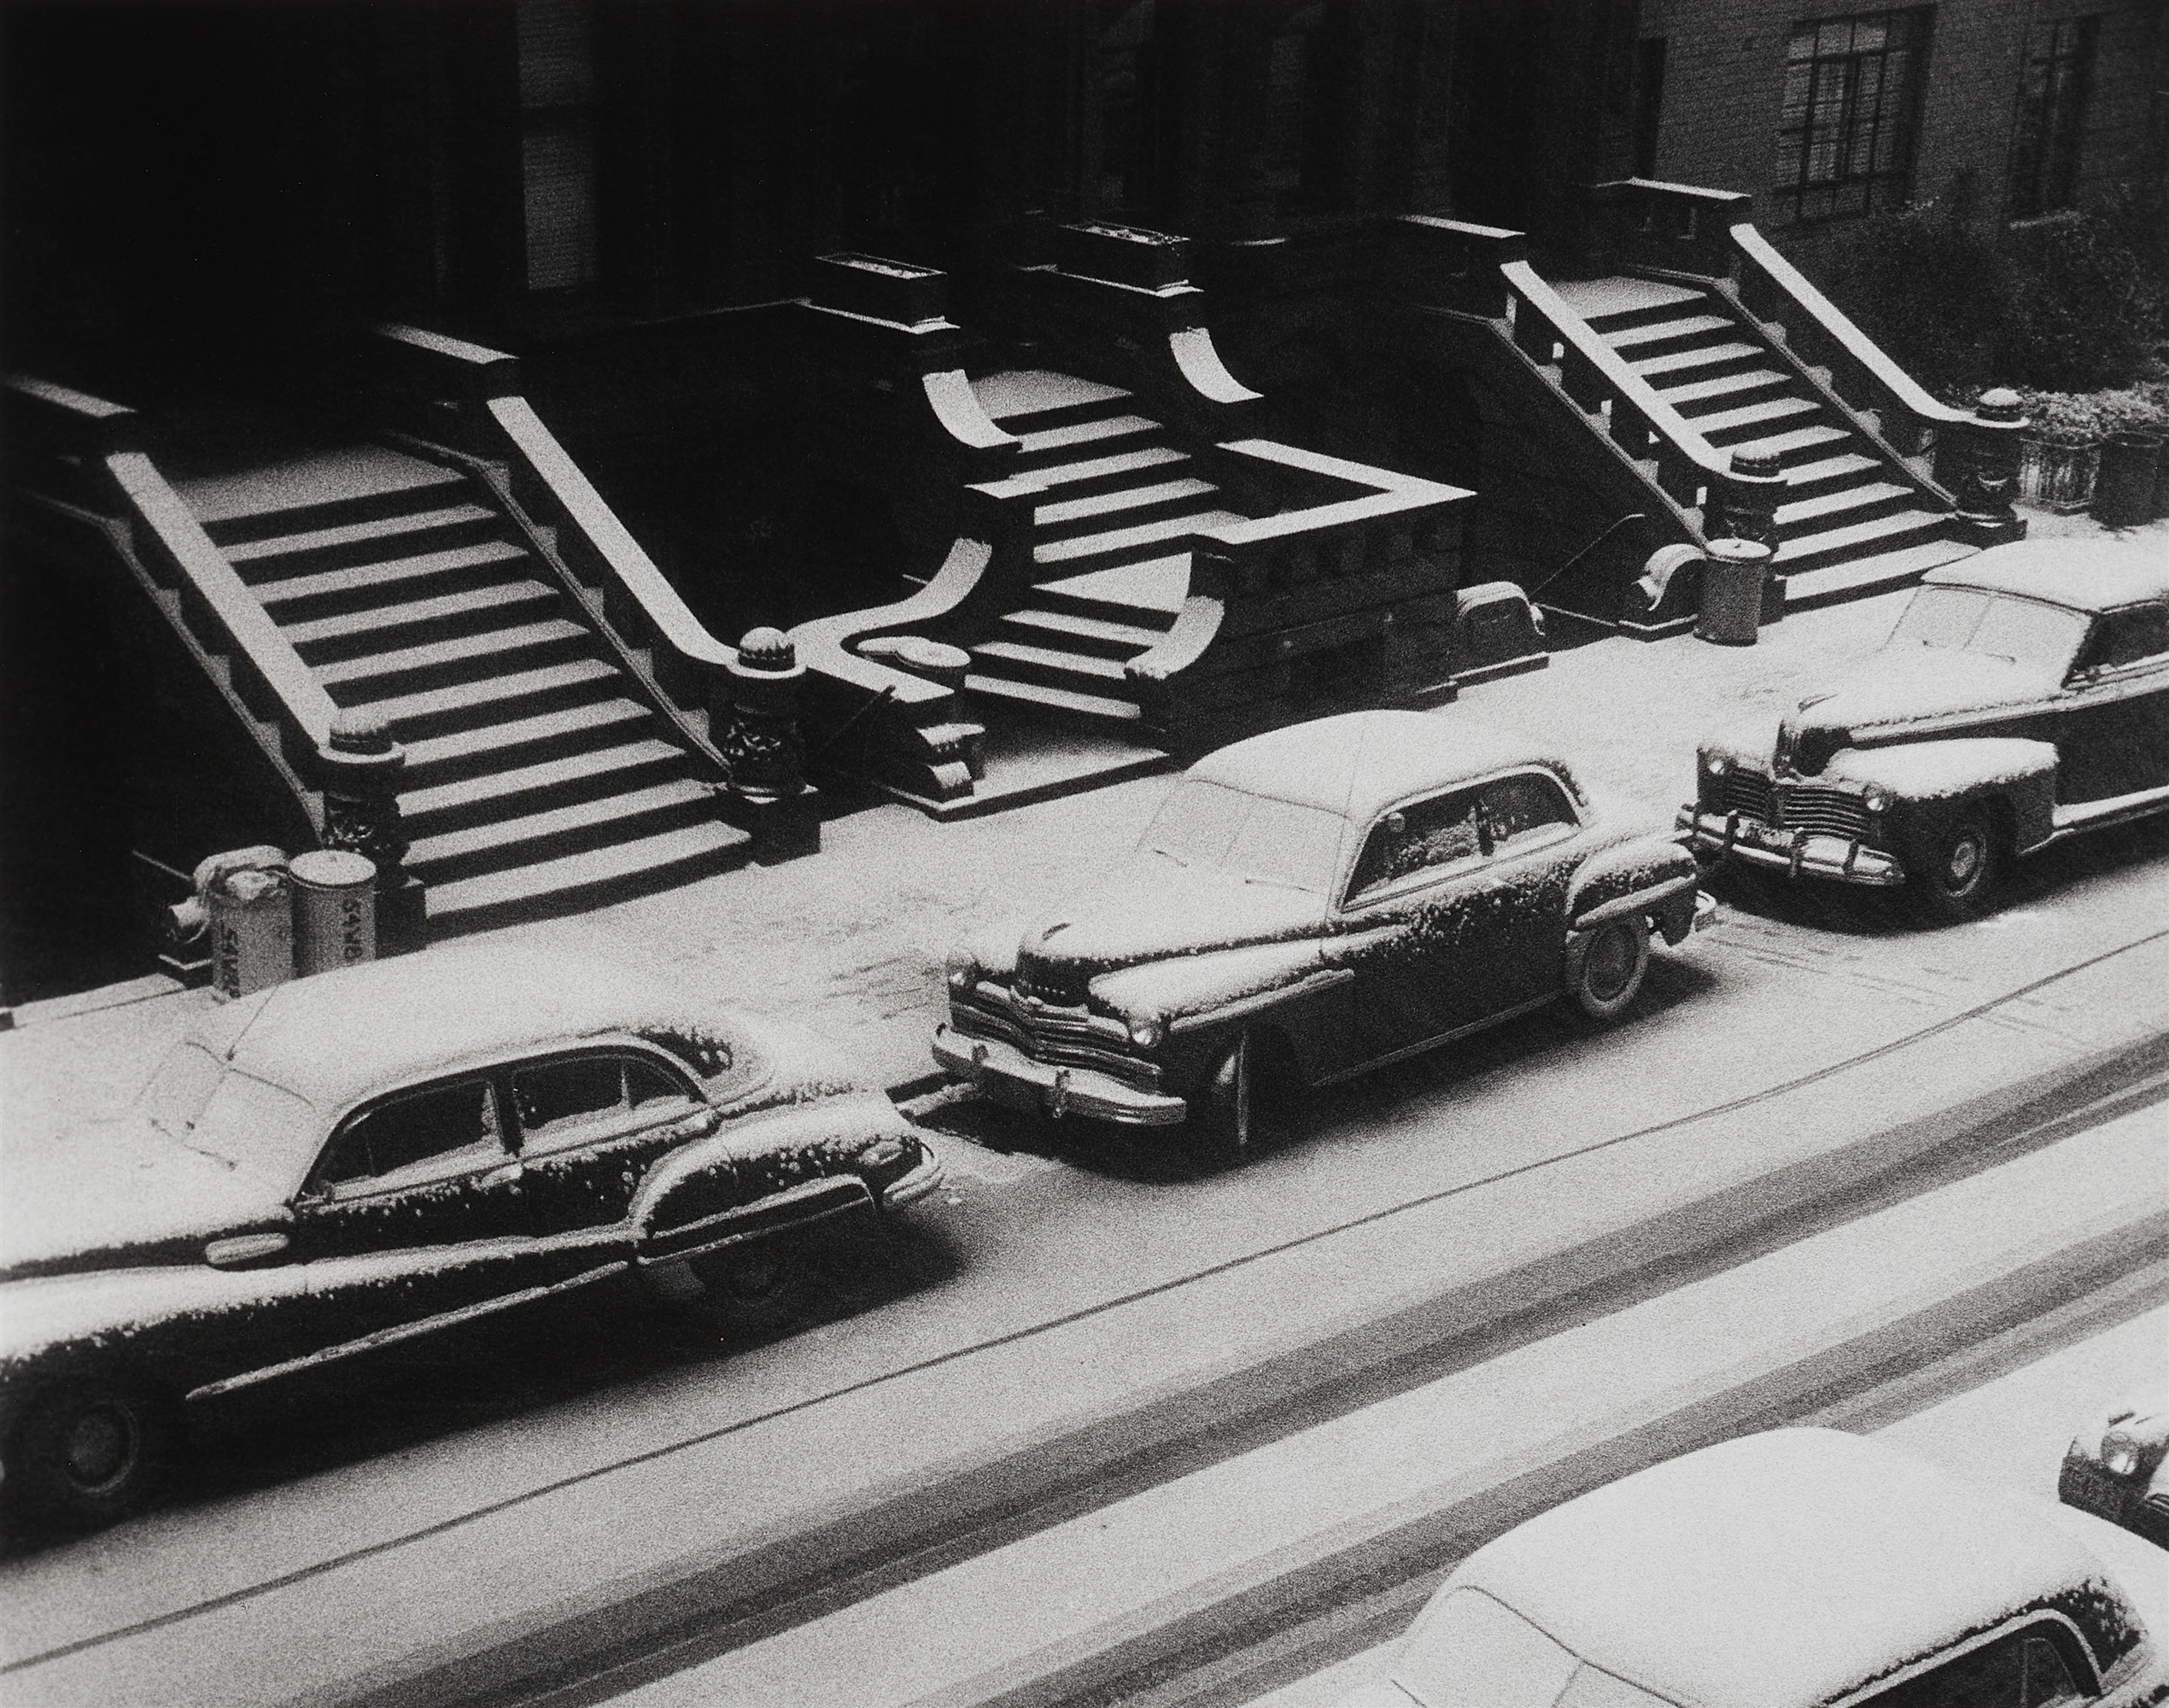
(332,868)
(1739,551)
(917,653)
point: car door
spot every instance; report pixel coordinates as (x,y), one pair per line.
(591,1124)
(2112,737)
(409,1210)
(1411,908)
(1534,833)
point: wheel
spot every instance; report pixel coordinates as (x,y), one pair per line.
(1957,869)
(1221,1121)
(1604,967)
(756,1289)
(90,1450)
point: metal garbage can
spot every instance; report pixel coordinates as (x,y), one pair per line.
(2124,489)
(252,932)
(1732,592)
(335,910)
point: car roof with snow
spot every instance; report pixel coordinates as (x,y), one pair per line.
(338,1036)
(2084,574)
(1783,1571)
(1361,763)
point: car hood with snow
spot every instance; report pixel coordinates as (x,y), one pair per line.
(1155,909)
(1899,692)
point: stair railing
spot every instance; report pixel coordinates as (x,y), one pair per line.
(1690,469)
(342,767)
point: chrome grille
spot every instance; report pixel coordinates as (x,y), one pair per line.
(1748,795)
(1823,811)
(1060,983)
(1062,1037)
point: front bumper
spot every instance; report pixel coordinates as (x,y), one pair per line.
(915,1186)
(1796,852)
(1006,1074)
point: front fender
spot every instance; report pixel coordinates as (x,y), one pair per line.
(2019,773)
(1650,876)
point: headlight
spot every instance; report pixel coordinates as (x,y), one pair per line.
(1876,800)
(963,972)
(1147,1032)
(1716,764)
(2120,1455)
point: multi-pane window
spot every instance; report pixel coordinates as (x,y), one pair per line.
(2052,110)
(1844,141)
(557,56)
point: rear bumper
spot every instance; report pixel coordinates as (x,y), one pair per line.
(1006,1074)
(918,1183)
(1797,853)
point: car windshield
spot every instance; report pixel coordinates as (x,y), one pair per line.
(196,1100)
(2025,631)
(1211,828)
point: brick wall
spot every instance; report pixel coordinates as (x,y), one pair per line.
(1724,80)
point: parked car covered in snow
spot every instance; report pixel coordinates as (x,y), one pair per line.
(2119,1468)
(372,1155)
(1319,900)
(2022,699)
(1800,1569)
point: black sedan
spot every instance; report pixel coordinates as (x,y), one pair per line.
(1318,901)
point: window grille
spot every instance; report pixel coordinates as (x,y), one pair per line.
(1844,144)
(2052,113)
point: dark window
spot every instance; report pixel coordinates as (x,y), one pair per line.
(1299,74)
(425,1135)
(648,1086)
(2129,637)
(2027,1670)
(557,142)
(1435,833)
(1649,104)
(1125,60)
(2052,110)
(1525,810)
(1844,139)
(559,1094)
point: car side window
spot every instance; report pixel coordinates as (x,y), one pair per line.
(2130,637)
(412,1137)
(1525,810)
(576,1099)
(1432,835)
(2026,1669)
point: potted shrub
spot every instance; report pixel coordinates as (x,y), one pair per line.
(2060,455)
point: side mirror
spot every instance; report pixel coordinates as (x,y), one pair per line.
(242,1249)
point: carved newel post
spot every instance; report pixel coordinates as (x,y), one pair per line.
(1747,508)
(361,767)
(759,739)
(1982,468)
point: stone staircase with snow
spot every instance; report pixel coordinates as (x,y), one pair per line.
(1856,520)
(540,772)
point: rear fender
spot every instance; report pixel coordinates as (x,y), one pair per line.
(766,1175)
(1650,877)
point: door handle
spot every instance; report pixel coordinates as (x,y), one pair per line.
(506,1174)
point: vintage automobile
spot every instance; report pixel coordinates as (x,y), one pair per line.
(1799,1569)
(372,1155)
(1315,901)
(2119,1469)
(2022,699)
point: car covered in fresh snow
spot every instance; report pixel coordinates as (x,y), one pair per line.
(375,1154)
(1798,1569)
(1312,902)
(2119,1467)
(2022,699)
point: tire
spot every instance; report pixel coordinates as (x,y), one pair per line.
(87,1450)
(1604,967)
(1223,1118)
(1957,872)
(758,1290)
